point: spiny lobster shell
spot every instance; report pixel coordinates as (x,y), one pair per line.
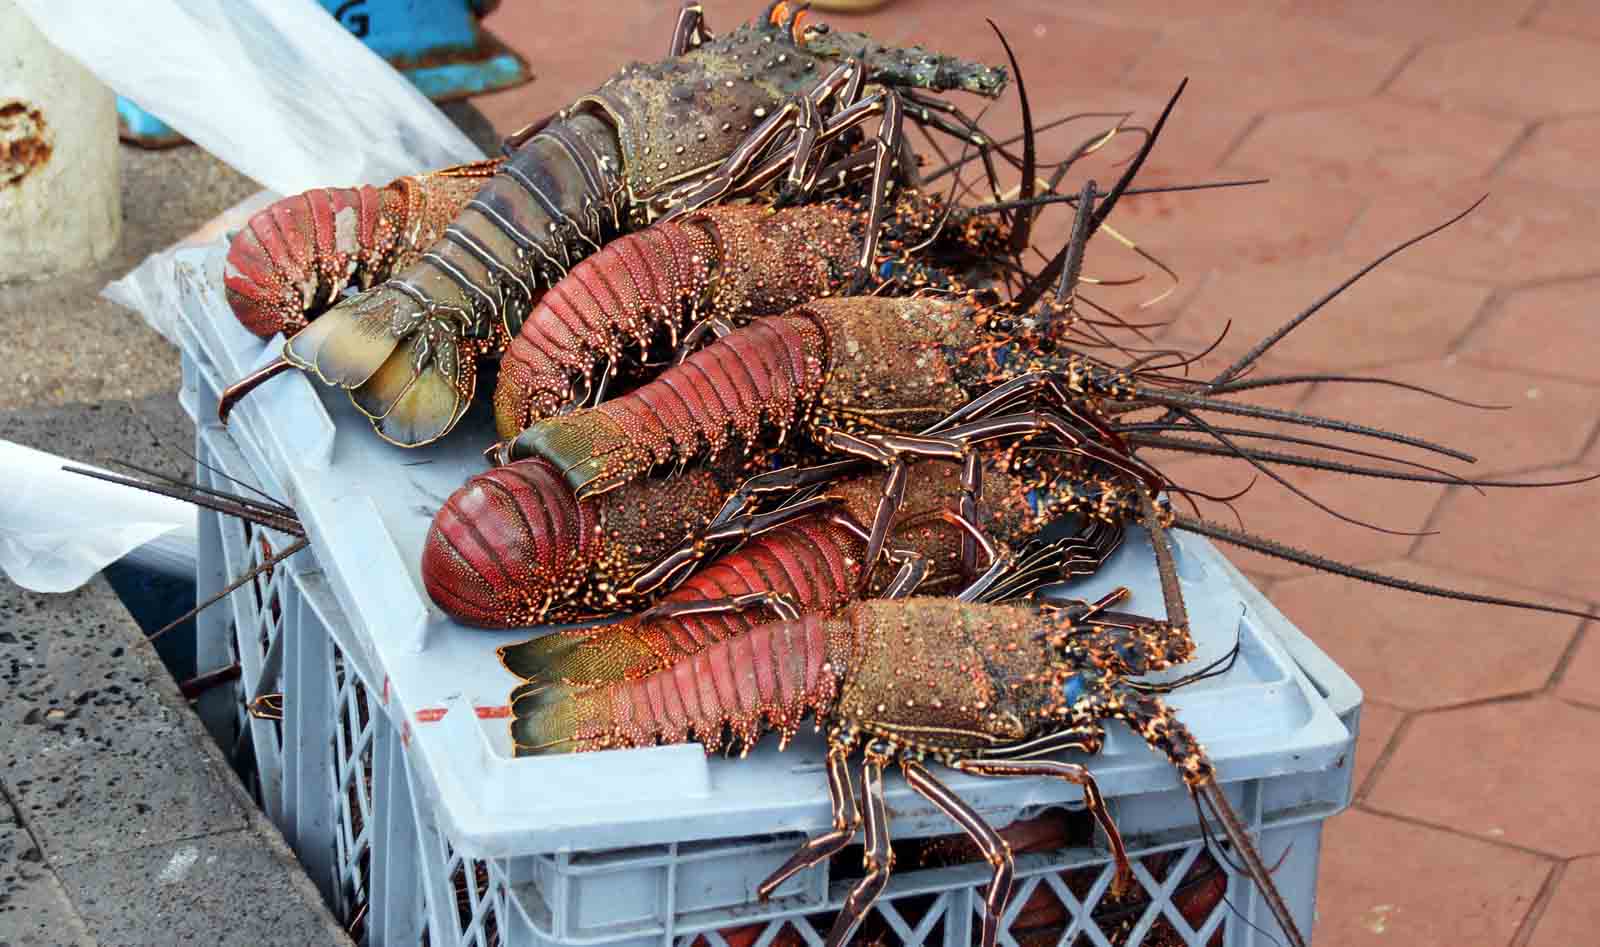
(513,547)
(293,258)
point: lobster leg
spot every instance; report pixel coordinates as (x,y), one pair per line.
(696,549)
(996,851)
(781,605)
(783,479)
(846,817)
(877,857)
(715,326)
(1093,799)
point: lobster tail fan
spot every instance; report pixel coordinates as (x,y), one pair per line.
(597,656)
(347,345)
(544,720)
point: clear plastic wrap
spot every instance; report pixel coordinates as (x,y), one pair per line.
(276,88)
(280,91)
(58,529)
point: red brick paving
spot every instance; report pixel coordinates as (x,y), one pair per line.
(1392,641)
(1573,914)
(1379,722)
(1376,120)
(1476,770)
(1385,881)
(1544,330)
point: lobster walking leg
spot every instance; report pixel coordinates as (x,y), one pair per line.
(995,849)
(1093,799)
(846,819)
(876,856)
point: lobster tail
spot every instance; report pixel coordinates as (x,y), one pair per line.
(508,545)
(297,254)
(736,262)
(544,720)
(602,656)
(293,259)
(727,694)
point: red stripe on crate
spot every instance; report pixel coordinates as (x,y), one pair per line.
(386,690)
(492,713)
(431,714)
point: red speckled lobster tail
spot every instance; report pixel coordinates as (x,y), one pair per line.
(507,544)
(767,679)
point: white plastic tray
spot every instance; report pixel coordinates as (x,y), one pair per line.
(367,506)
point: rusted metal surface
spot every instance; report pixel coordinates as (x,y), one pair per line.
(26,141)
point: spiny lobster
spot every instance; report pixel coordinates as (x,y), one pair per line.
(806,556)
(984,688)
(719,118)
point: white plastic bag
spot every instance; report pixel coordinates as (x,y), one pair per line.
(276,88)
(58,529)
(150,289)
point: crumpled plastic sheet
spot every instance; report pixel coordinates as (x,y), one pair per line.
(276,88)
(282,92)
(58,529)
(151,288)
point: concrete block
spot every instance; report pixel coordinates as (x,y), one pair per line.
(60,206)
(222,889)
(67,674)
(84,799)
(34,909)
(152,432)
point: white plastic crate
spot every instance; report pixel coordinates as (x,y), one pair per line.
(391,771)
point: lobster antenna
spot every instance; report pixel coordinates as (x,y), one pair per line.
(219,472)
(1177,400)
(1333,466)
(1276,380)
(1213,798)
(232,394)
(222,502)
(1240,452)
(999,146)
(1280,437)
(271,505)
(1052,272)
(1271,547)
(1072,199)
(1022,226)
(266,565)
(1261,347)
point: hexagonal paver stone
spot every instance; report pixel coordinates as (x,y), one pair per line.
(1562,152)
(1419,652)
(1555,74)
(1421,21)
(1568,18)
(1379,722)
(1378,143)
(1547,330)
(1537,539)
(1307,59)
(1524,231)
(1580,679)
(1388,316)
(1511,771)
(1573,914)
(1385,882)
(1545,423)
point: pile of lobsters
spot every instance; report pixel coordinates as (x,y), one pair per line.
(801,423)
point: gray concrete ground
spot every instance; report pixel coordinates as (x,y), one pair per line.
(120,822)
